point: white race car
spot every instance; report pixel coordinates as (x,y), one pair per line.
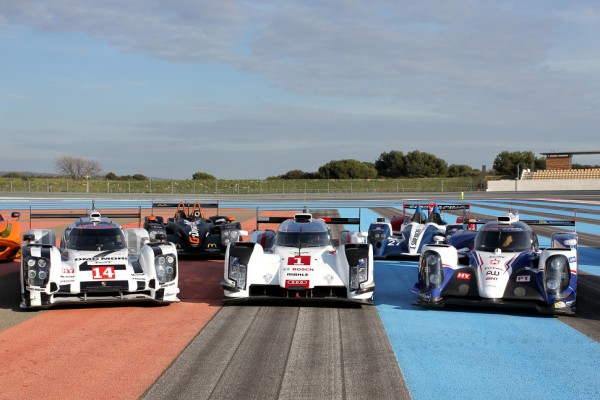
(301,261)
(98,261)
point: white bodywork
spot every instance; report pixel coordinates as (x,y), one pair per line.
(51,275)
(300,272)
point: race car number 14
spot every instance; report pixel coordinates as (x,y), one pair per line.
(103,272)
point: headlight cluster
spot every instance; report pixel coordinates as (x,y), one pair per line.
(37,271)
(229,236)
(237,272)
(165,267)
(153,235)
(358,274)
(557,274)
(430,270)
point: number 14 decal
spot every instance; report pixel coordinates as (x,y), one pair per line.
(103,272)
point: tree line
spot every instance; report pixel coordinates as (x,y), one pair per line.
(392,164)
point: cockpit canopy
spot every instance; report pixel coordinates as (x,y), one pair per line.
(312,233)
(96,237)
(515,237)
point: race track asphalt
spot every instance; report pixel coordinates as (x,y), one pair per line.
(199,349)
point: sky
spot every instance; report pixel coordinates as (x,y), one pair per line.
(254,88)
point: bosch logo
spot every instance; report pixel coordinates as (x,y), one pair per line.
(302,269)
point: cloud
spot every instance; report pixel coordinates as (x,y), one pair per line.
(463,79)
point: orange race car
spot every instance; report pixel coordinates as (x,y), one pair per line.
(10,236)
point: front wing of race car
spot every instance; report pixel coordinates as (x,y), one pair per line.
(543,286)
(341,273)
(146,273)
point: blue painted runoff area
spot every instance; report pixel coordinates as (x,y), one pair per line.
(474,354)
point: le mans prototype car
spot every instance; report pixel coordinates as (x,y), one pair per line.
(98,261)
(501,265)
(301,261)
(194,234)
(404,237)
(10,237)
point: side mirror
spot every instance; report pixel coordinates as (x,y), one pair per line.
(15,214)
(28,237)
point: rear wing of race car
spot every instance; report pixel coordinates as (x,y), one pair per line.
(187,207)
(306,216)
(542,222)
(54,215)
(183,204)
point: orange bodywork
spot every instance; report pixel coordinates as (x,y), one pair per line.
(10,237)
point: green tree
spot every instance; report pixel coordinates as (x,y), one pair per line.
(111,176)
(294,174)
(347,169)
(508,162)
(202,175)
(424,165)
(460,170)
(139,177)
(391,164)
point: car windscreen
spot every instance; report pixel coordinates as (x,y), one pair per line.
(96,239)
(302,239)
(515,240)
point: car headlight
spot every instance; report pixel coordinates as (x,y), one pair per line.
(557,274)
(229,236)
(36,270)
(359,274)
(237,272)
(152,235)
(165,266)
(430,270)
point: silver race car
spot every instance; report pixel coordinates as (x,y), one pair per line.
(97,261)
(301,261)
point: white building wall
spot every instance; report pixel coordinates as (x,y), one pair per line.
(542,184)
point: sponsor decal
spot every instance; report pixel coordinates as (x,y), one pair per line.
(34,289)
(303,269)
(68,271)
(464,276)
(297,283)
(103,272)
(296,274)
(494,262)
(100,259)
(495,273)
(212,245)
(490,278)
(299,260)
(415,238)
(523,278)
(425,297)
(572,259)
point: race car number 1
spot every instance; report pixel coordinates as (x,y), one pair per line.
(103,272)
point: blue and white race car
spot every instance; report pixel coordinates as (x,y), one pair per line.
(501,265)
(301,261)
(413,232)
